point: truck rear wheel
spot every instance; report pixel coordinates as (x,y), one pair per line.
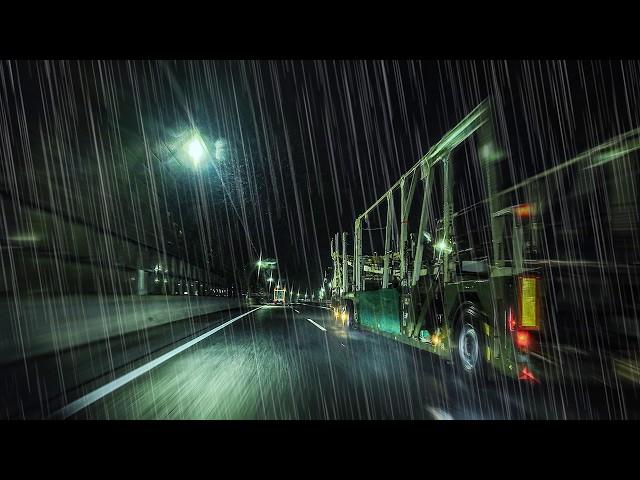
(468,343)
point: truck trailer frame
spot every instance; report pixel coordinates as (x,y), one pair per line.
(484,307)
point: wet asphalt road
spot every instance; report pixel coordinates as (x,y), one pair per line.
(277,364)
(295,362)
(300,363)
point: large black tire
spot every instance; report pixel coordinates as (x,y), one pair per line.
(468,343)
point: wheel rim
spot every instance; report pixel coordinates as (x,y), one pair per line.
(468,347)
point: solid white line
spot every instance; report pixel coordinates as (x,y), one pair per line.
(296,311)
(319,326)
(86,400)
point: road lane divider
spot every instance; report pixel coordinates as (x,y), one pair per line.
(92,397)
(319,326)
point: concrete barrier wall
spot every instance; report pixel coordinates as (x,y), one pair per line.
(42,251)
(37,325)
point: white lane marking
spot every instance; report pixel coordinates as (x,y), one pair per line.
(439,414)
(296,310)
(86,400)
(319,326)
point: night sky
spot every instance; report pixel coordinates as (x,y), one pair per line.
(305,145)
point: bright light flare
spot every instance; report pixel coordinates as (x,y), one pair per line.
(443,246)
(523,340)
(195,150)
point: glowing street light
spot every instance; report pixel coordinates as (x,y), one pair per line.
(443,246)
(266,264)
(195,150)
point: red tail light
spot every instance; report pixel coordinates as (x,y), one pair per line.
(511,320)
(523,340)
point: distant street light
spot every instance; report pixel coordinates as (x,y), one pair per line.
(266,263)
(443,246)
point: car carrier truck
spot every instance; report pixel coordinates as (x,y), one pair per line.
(279,295)
(470,269)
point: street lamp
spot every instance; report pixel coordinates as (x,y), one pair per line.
(266,263)
(443,246)
(195,150)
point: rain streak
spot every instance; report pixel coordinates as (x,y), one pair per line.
(330,239)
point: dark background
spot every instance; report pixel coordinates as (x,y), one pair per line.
(308,144)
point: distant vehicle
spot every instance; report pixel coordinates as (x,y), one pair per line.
(279,295)
(259,298)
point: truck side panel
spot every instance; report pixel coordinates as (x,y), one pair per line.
(379,309)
